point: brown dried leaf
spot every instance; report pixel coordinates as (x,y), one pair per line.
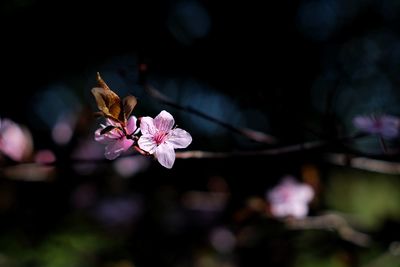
(107,101)
(101,82)
(110,104)
(100,99)
(129,104)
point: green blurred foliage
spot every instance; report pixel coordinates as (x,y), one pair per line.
(69,248)
(370,197)
(310,261)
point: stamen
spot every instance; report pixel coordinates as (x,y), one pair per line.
(159,137)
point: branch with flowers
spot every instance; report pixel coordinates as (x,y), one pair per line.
(158,137)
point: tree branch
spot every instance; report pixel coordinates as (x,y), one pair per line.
(331,222)
(266,152)
(246,132)
(363,163)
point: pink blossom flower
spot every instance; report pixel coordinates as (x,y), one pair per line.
(116,140)
(160,138)
(385,125)
(290,198)
(15,141)
(45,156)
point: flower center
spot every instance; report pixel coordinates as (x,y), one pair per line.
(159,137)
(378,124)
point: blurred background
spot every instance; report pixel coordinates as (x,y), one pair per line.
(299,70)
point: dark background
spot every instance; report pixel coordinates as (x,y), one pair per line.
(300,70)
(252,50)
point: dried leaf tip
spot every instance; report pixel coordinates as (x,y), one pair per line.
(110,104)
(101,82)
(107,129)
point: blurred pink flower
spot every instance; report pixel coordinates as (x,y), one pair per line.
(290,198)
(119,211)
(45,156)
(63,130)
(116,140)
(385,125)
(160,138)
(222,239)
(15,140)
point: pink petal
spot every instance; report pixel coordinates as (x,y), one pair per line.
(364,123)
(131,125)
(385,125)
(305,193)
(279,210)
(114,149)
(147,126)
(179,138)
(115,134)
(102,138)
(45,156)
(126,143)
(390,132)
(390,126)
(165,155)
(299,210)
(390,120)
(290,198)
(109,136)
(112,122)
(164,121)
(16,141)
(147,143)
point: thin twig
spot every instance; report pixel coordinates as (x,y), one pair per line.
(246,132)
(383,144)
(266,152)
(331,222)
(339,159)
(363,163)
